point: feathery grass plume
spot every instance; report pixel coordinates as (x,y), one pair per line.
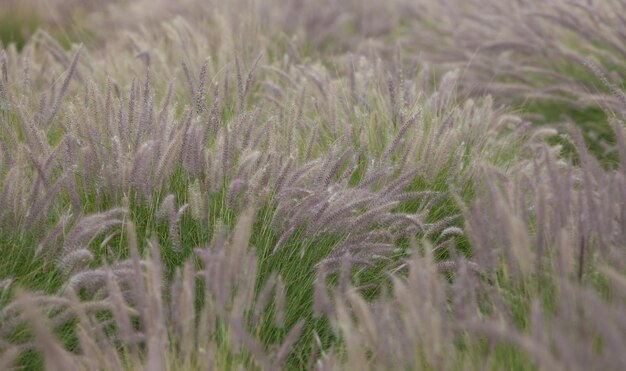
(89,226)
(200,90)
(61,93)
(74,260)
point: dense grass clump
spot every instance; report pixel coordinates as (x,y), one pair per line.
(295,185)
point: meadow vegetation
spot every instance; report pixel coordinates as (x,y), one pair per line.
(403,184)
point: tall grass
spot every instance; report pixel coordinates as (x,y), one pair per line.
(262,187)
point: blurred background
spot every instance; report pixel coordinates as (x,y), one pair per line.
(63,19)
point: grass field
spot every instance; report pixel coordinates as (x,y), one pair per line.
(341,185)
